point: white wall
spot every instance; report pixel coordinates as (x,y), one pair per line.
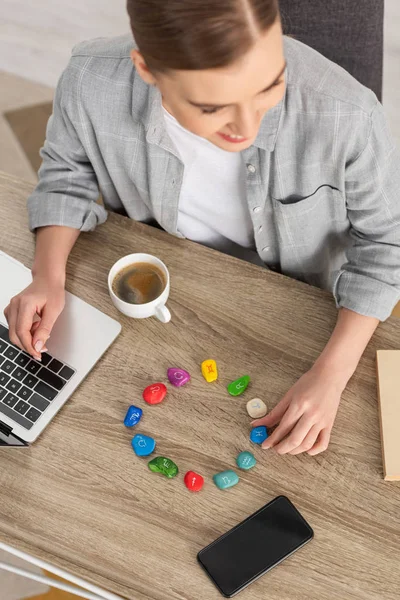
(391,75)
(36,37)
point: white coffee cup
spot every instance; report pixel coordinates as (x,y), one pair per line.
(154,308)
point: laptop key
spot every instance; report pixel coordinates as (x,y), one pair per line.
(8,366)
(30,380)
(2,359)
(33,367)
(33,414)
(19,373)
(13,386)
(66,372)
(46,358)
(11,352)
(55,365)
(4,332)
(51,378)
(22,360)
(4,378)
(24,393)
(3,393)
(3,346)
(39,402)
(46,391)
(10,400)
(14,416)
(21,407)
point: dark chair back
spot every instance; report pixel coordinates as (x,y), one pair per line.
(349,32)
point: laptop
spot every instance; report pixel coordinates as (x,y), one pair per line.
(32,392)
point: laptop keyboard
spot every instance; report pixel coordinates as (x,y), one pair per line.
(28,387)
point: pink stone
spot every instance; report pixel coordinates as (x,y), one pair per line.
(178,377)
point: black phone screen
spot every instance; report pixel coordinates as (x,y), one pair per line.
(254,546)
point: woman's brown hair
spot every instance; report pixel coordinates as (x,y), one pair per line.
(198,34)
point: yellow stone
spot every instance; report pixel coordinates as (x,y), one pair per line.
(209,370)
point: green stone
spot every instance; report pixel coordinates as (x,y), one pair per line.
(226,479)
(237,387)
(163,465)
(246,460)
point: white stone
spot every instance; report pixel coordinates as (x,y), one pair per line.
(256,408)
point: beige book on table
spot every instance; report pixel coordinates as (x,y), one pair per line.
(388,369)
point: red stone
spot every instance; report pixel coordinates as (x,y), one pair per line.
(193,481)
(155,393)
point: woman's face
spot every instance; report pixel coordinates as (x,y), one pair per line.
(217,104)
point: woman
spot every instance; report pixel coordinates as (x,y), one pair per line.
(221,130)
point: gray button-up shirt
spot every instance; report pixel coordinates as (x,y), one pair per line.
(323,176)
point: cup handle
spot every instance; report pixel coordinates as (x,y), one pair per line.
(162,313)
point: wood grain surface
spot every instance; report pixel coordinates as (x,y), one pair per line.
(80,499)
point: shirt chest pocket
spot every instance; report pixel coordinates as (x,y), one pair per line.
(306,220)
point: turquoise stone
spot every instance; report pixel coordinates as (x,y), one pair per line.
(163,465)
(246,461)
(143,445)
(237,387)
(226,479)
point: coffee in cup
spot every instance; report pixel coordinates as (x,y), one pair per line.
(139,283)
(139,286)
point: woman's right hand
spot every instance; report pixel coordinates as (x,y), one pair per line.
(43,298)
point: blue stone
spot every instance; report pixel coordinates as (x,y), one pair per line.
(246,461)
(143,445)
(259,434)
(226,479)
(133,416)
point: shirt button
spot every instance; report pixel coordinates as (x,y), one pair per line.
(257,209)
(251,168)
(260,229)
(266,248)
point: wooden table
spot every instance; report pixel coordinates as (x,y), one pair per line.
(80,499)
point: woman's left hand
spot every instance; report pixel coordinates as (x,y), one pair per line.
(305,415)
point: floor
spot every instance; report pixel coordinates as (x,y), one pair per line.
(14,587)
(18,92)
(54,594)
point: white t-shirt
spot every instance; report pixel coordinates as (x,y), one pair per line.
(213,208)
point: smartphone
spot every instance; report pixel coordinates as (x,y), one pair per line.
(253,547)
